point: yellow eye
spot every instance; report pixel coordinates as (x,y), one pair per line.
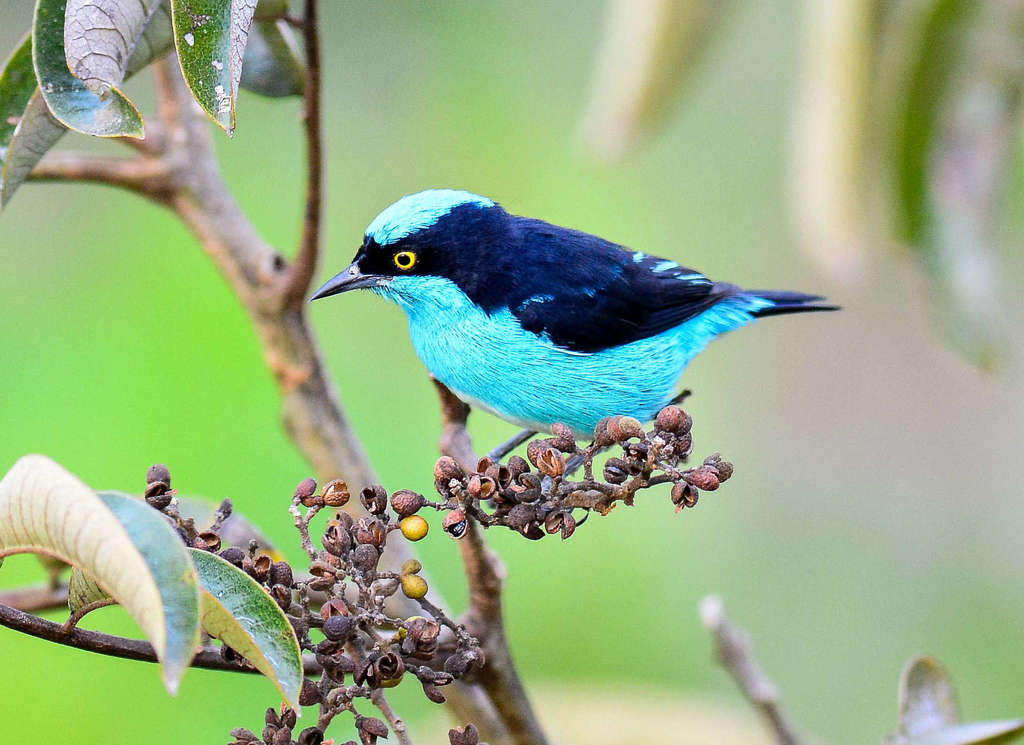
(405,260)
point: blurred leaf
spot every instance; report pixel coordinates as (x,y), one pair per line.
(273,65)
(157,39)
(927,697)
(649,50)
(210,36)
(829,133)
(975,733)
(100,37)
(271,9)
(130,550)
(83,590)
(239,612)
(70,101)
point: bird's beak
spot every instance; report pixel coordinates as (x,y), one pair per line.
(348,279)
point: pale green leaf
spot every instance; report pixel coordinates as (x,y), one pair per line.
(974,733)
(237,610)
(17,83)
(210,36)
(83,590)
(70,101)
(273,65)
(100,37)
(131,551)
(927,697)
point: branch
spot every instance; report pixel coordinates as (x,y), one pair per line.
(41,597)
(117,646)
(485,575)
(734,653)
(302,270)
(149,177)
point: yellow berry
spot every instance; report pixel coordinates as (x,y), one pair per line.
(414,527)
(414,586)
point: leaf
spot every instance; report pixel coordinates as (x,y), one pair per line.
(83,590)
(927,697)
(237,610)
(17,83)
(975,733)
(210,37)
(37,129)
(131,551)
(70,101)
(100,37)
(648,51)
(273,65)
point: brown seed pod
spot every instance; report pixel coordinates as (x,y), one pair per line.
(305,492)
(623,428)
(704,478)
(334,607)
(602,433)
(369,530)
(339,628)
(520,516)
(467,735)
(616,470)
(447,468)
(455,524)
(550,462)
(365,557)
(208,541)
(517,466)
(336,493)
(374,499)
(405,502)
(564,437)
(281,573)
(674,420)
(233,555)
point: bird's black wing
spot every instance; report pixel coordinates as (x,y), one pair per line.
(587,294)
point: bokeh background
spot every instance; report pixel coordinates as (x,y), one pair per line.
(875,512)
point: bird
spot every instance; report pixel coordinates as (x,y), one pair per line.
(540,324)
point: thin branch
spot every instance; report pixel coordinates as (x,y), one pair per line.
(733,651)
(117,646)
(149,177)
(397,724)
(500,451)
(303,268)
(33,599)
(485,575)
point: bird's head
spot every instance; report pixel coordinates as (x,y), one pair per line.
(435,233)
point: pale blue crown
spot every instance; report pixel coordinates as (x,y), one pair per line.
(415,212)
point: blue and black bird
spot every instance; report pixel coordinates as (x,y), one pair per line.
(538,323)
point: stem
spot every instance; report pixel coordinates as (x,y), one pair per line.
(485,575)
(146,176)
(302,270)
(735,654)
(118,646)
(42,597)
(397,724)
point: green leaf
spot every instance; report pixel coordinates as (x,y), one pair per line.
(37,132)
(24,144)
(17,83)
(126,546)
(927,697)
(273,65)
(237,610)
(210,36)
(100,38)
(83,590)
(70,101)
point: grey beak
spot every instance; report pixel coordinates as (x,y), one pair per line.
(348,279)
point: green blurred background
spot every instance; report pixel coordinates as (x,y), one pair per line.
(874,513)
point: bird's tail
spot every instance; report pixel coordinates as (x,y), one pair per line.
(783,301)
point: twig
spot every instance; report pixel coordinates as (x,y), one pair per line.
(397,724)
(78,615)
(485,576)
(500,451)
(149,177)
(117,646)
(301,273)
(734,653)
(41,597)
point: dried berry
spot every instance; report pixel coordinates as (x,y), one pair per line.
(704,478)
(158,472)
(369,530)
(674,420)
(337,540)
(208,541)
(517,466)
(365,557)
(339,628)
(447,469)
(550,462)
(389,670)
(602,436)
(335,493)
(311,736)
(616,470)
(405,502)
(281,574)
(306,494)
(233,555)
(433,693)
(467,735)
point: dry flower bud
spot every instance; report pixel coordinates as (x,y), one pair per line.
(433,693)
(455,524)
(305,492)
(335,493)
(467,735)
(405,502)
(365,557)
(704,478)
